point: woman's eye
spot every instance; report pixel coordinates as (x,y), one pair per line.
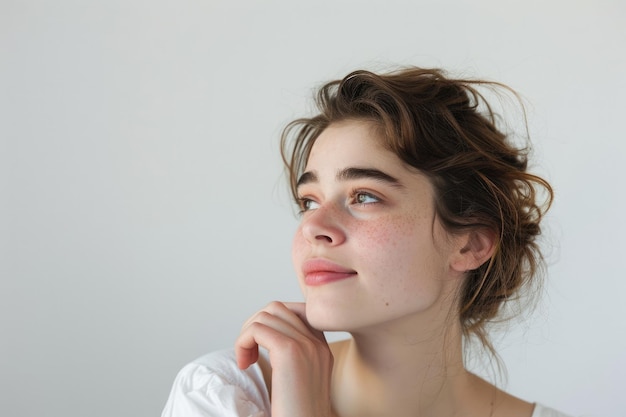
(307,204)
(361,197)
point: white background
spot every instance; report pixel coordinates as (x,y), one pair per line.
(143,213)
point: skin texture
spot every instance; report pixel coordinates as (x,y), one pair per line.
(372,259)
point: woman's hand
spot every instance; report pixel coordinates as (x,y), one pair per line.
(299,355)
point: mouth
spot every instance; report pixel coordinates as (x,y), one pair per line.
(320,272)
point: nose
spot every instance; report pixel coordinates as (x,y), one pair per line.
(323,226)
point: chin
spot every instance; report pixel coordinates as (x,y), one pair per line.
(329,318)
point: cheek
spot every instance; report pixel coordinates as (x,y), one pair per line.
(388,245)
(400,254)
(297,247)
(298,253)
(386,235)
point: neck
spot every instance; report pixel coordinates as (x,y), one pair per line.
(397,372)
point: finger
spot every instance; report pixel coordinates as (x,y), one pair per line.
(300,310)
(255,332)
(246,356)
(295,313)
(292,314)
(268,334)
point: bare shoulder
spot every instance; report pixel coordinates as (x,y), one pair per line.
(508,405)
(486,399)
(502,403)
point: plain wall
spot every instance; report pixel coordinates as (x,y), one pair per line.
(143,212)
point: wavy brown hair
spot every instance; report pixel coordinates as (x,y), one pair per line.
(447,129)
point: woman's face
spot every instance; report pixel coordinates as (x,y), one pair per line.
(370,250)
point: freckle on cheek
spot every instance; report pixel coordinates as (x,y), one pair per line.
(380,234)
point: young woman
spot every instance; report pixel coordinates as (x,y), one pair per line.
(418,222)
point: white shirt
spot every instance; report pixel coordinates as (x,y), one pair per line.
(213,386)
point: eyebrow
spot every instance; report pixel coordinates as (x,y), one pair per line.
(352,173)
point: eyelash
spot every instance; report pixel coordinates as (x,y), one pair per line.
(358,192)
(302,204)
(354,194)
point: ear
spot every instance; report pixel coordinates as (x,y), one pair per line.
(475,248)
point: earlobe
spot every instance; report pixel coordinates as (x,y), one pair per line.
(476,248)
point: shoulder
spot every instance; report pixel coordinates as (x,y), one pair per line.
(213,385)
(543,411)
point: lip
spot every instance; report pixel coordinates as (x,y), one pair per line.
(321,271)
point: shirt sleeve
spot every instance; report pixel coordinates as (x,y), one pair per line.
(201,392)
